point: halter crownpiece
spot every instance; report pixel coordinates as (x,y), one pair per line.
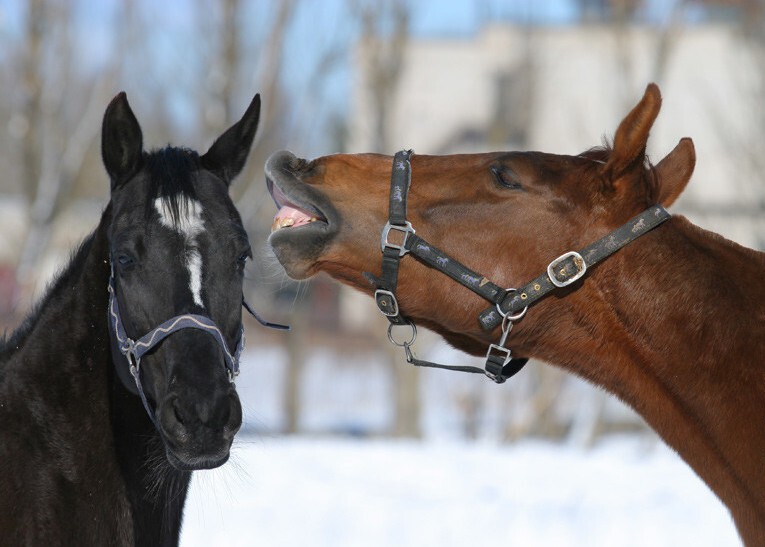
(508,304)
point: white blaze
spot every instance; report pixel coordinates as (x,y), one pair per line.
(189,225)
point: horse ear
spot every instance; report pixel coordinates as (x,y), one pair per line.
(632,135)
(121,141)
(228,154)
(674,172)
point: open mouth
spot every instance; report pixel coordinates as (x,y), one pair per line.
(290,214)
(299,204)
(306,221)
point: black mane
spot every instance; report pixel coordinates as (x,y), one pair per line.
(63,279)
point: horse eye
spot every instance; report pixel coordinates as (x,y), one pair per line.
(244,257)
(506,178)
(125,260)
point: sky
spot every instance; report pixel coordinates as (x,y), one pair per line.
(319,26)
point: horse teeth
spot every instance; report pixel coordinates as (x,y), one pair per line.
(280,223)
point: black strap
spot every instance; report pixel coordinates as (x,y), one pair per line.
(495,368)
(262,321)
(399,238)
(509,304)
(569,267)
(438,259)
(400,180)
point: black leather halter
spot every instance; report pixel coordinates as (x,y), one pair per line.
(508,304)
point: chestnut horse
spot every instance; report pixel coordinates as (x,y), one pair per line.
(673,322)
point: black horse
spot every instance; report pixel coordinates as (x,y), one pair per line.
(82,462)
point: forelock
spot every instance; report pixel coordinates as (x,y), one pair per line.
(170,174)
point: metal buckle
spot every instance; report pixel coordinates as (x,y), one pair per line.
(504,354)
(406,230)
(387,313)
(578,262)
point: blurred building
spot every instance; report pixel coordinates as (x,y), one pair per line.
(562,89)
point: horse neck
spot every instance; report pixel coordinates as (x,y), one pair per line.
(673,324)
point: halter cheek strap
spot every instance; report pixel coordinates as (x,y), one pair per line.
(508,304)
(398,239)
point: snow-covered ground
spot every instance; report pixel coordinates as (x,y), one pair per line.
(335,492)
(325,491)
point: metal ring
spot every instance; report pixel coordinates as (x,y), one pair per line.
(507,316)
(402,344)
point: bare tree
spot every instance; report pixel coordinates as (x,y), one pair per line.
(384,39)
(383,50)
(53,148)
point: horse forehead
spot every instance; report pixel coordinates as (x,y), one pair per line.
(189,221)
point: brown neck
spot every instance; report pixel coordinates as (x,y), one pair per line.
(674,325)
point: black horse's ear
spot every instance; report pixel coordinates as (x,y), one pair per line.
(121,141)
(228,154)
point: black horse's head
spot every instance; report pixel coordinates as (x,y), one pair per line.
(178,248)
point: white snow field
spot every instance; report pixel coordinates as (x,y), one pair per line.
(298,491)
(335,491)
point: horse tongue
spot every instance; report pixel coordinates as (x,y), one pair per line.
(290,216)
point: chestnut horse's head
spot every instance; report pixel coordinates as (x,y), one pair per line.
(505,215)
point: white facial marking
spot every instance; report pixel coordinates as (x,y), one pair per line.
(189,225)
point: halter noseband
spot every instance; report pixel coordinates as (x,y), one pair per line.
(134,350)
(508,304)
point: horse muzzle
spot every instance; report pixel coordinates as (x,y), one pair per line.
(198,431)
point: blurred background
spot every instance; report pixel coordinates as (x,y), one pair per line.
(363,75)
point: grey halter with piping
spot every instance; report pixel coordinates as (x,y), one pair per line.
(134,350)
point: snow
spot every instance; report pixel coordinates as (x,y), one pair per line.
(298,491)
(340,491)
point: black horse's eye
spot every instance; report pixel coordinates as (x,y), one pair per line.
(243,257)
(125,260)
(506,178)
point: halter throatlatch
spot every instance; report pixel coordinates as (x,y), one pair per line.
(508,304)
(134,350)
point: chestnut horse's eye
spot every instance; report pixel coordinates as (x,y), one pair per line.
(506,178)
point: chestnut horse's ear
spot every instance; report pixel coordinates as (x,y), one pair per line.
(674,172)
(632,135)
(121,141)
(228,154)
